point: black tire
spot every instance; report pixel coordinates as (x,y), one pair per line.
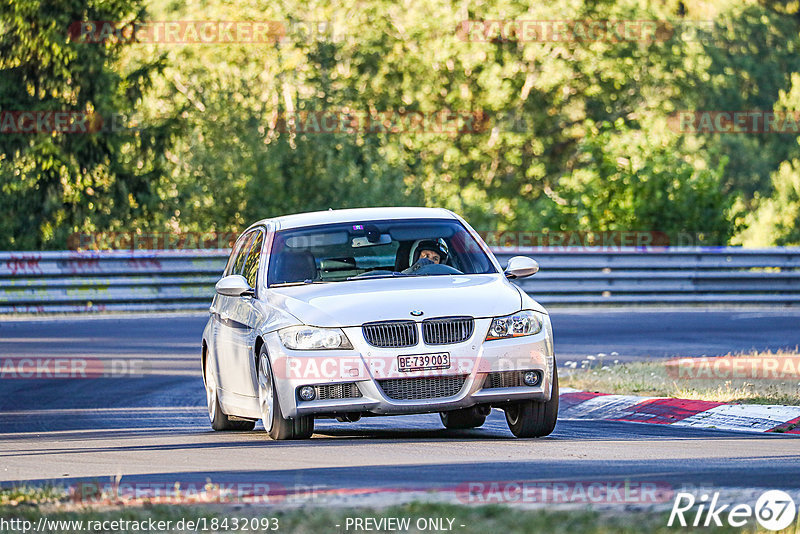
(279,427)
(534,419)
(462,419)
(225,423)
(220,421)
(299,428)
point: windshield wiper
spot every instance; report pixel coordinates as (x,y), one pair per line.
(303,283)
(375,277)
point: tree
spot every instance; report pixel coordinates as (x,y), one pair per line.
(55,183)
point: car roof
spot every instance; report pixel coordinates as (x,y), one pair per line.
(299,220)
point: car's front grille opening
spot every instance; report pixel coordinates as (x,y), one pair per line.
(506,379)
(446,330)
(391,334)
(422,388)
(337,391)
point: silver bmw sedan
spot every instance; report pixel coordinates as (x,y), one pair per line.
(376,311)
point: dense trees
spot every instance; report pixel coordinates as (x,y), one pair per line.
(569,133)
(57,183)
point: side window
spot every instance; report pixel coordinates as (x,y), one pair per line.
(237,247)
(241,254)
(251,265)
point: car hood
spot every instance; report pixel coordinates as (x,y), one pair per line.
(355,302)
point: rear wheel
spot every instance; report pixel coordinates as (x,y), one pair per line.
(277,426)
(465,418)
(534,419)
(219,420)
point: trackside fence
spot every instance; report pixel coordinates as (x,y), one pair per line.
(129,280)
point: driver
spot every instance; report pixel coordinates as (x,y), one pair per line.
(428,252)
(431,250)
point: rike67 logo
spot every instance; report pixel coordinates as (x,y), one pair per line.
(774,510)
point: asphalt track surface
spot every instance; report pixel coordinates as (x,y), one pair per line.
(154,428)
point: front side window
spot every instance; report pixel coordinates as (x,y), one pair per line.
(354,250)
(241,256)
(236,259)
(251,264)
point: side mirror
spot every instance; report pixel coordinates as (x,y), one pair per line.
(520,267)
(234,285)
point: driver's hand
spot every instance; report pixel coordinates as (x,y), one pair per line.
(422,262)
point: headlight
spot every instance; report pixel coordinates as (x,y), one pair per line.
(524,323)
(313,338)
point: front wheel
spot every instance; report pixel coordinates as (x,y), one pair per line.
(534,419)
(277,426)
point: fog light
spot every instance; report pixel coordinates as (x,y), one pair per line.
(531,378)
(307,393)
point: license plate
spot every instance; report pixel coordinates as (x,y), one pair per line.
(423,362)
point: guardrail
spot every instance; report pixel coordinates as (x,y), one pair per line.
(47,282)
(665,276)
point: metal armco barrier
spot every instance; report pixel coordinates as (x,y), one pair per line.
(119,280)
(664,276)
(47,282)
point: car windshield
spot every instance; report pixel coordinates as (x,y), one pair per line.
(369,249)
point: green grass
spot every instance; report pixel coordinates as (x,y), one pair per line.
(653,378)
(31,495)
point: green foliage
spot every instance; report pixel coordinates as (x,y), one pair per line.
(745,63)
(54,184)
(777,219)
(625,180)
(576,134)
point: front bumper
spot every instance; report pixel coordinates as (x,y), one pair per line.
(367,367)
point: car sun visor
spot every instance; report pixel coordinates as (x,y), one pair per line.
(414,233)
(311,240)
